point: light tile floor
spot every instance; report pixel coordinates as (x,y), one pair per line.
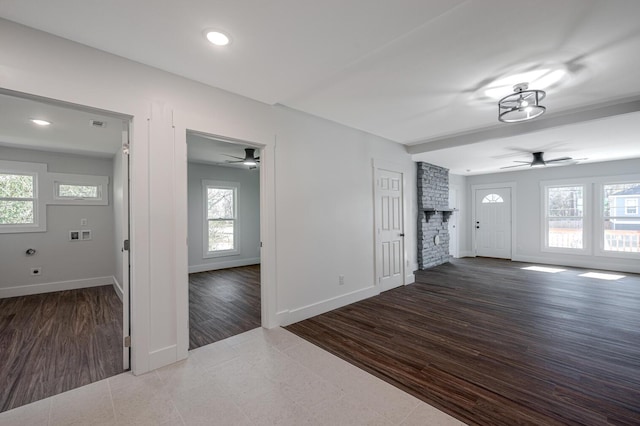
(262,377)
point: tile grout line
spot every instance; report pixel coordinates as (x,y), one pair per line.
(113,405)
(50,410)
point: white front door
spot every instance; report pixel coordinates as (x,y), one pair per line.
(493,222)
(389,229)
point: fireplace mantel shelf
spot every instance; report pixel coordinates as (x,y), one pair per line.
(445,212)
(432,210)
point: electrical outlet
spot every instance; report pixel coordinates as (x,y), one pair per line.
(36,271)
(340,279)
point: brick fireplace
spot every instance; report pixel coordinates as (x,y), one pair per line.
(433,215)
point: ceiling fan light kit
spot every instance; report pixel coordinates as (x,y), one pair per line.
(522,105)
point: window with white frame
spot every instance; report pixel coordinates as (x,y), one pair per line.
(21,207)
(564,217)
(80,189)
(17,199)
(621,219)
(221,218)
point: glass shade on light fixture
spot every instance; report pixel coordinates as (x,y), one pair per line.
(522,105)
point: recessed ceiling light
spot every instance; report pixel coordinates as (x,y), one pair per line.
(40,122)
(217,38)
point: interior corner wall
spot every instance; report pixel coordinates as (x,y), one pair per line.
(64,264)
(528,212)
(248,216)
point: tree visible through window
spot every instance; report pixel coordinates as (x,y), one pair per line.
(77,191)
(565,216)
(17,199)
(221,218)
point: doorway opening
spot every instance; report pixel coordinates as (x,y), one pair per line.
(223,182)
(64,219)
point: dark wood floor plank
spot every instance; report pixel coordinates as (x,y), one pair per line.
(223,303)
(493,344)
(54,342)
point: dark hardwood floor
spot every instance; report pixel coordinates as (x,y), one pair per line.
(492,344)
(54,342)
(223,303)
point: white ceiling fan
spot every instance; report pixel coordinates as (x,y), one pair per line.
(539,161)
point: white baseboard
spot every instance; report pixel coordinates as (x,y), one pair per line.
(299,314)
(223,265)
(164,356)
(409,279)
(118,288)
(467,254)
(25,290)
(589,263)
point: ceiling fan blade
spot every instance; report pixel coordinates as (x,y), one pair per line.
(525,162)
(239,161)
(517,165)
(559,159)
(233,156)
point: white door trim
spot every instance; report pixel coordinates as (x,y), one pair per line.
(512,187)
(379,164)
(267,223)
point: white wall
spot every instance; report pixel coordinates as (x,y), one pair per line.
(325,212)
(248,216)
(528,211)
(460,182)
(64,264)
(316,179)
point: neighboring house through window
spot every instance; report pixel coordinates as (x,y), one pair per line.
(621,219)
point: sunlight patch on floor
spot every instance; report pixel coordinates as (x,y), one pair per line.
(543,269)
(601,276)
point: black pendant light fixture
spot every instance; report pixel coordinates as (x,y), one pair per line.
(522,105)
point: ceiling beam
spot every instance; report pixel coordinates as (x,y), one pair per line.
(566,118)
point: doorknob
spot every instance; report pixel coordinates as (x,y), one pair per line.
(477,227)
(402,235)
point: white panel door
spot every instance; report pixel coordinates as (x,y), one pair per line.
(493,222)
(389,229)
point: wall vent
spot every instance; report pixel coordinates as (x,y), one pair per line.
(98,123)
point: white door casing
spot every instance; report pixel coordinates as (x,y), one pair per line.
(389,220)
(125,252)
(492,223)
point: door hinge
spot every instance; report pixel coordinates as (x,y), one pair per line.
(127,341)
(126,245)
(260,243)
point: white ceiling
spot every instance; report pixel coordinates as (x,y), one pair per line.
(70,130)
(216,151)
(407,70)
